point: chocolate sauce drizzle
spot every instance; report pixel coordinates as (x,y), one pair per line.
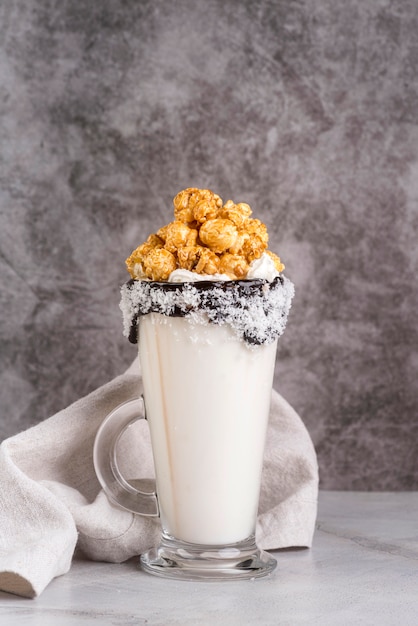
(256,309)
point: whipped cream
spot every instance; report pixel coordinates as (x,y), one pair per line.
(262,268)
(259,268)
(186,276)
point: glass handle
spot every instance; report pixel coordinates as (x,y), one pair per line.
(118,489)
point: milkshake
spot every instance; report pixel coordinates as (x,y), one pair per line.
(206,304)
(208,435)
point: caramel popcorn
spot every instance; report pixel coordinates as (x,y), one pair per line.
(255,227)
(233,265)
(218,234)
(255,239)
(198,259)
(186,201)
(253,248)
(159,264)
(206,237)
(237,213)
(134,263)
(239,243)
(206,209)
(177,235)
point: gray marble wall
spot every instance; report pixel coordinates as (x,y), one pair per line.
(306,109)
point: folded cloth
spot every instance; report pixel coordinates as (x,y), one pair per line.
(51,500)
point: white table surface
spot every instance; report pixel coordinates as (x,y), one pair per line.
(362,569)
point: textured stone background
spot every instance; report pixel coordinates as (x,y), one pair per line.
(306,109)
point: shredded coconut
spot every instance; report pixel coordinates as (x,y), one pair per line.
(256,310)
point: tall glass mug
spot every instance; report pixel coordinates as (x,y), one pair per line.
(207,394)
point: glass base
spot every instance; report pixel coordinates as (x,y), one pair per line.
(189,561)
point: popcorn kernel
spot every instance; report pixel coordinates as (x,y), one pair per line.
(237,213)
(159,264)
(178,235)
(253,248)
(233,265)
(218,234)
(205,209)
(198,259)
(136,259)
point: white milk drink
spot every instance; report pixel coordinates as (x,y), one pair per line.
(207,397)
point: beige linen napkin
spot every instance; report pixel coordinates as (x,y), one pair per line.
(51,500)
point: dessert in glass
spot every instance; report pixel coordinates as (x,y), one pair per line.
(206,304)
